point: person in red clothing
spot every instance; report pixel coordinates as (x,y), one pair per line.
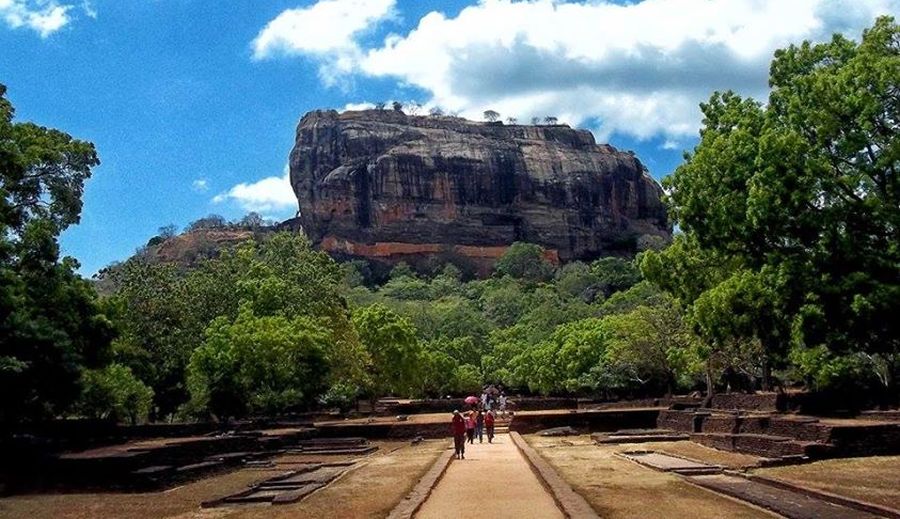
(458,427)
(489,425)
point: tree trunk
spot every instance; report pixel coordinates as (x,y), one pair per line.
(710,389)
(766,373)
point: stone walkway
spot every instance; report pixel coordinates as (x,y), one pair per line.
(494,481)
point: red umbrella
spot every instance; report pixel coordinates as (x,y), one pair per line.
(471,400)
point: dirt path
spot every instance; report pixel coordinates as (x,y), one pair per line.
(494,480)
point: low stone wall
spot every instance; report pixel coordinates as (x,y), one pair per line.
(890,414)
(868,440)
(750,401)
(385,430)
(805,430)
(682,421)
(720,424)
(588,421)
(71,435)
(627,404)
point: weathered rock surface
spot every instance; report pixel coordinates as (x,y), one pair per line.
(388,186)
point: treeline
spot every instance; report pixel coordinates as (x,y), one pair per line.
(274,326)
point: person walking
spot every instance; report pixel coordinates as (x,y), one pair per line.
(489,425)
(458,428)
(470,426)
(479,426)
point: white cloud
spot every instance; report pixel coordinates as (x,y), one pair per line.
(42,16)
(327,29)
(269,195)
(669,144)
(358,106)
(639,68)
(88,7)
(201,185)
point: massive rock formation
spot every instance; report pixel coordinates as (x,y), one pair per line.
(388,186)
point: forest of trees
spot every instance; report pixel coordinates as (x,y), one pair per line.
(785,271)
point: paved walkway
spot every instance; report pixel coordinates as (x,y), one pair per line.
(493,481)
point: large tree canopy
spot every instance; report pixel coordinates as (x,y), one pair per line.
(166,312)
(791,210)
(50,324)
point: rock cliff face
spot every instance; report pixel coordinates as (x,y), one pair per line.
(388,186)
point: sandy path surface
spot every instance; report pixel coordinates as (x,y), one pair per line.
(494,480)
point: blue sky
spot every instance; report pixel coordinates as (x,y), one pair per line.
(193,105)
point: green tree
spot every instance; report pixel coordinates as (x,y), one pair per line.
(642,294)
(51,326)
(212,221)
(253,221)
(114,393)
(437,371)
(652,346)
(615,274)
(407,288)
(158,327)
(802,197)
(563,362)
(258,364)
(393,347)
(577,279)
(491,115)
(402,269)
(525,261)
(165,310)
(504,302)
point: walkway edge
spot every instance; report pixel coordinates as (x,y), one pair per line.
(570,502)
(410,504)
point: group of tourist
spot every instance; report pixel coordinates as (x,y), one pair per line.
(493,398)
(478,421)
(468,426)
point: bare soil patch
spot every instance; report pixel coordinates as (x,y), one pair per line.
(619,488)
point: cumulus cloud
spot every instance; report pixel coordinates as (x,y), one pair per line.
(638,68)
(327,29)
(271,195)
(42,16)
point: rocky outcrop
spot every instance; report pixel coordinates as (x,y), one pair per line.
(388,186)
